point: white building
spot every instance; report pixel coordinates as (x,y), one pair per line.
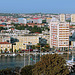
(59,33)
(22,20)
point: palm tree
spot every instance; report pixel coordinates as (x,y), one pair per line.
(53,48)
(33,47)
(43,49)
(19,50)
(0,50)
(6,50)
(47,47)
(15,50)
(10,50)
(38,45)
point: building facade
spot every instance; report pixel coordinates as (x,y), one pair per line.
(5,46)
(73,18)
(24,41)
(62,17)
(59,34)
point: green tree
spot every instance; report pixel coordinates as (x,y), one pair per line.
(38,45)
(19,50)
(0,50)
(15,50)
(51,64)
(27,70)
(53,48)
(6,72)
(47,47)
(10,50)
(43,49)
(33,47)
(6,50)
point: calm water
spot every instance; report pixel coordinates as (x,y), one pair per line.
(18,61)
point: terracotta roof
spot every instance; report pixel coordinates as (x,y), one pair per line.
(5,43)
(2,25)
(35,18)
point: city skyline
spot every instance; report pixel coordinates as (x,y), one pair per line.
(46,6)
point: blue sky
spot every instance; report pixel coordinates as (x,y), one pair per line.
(36,6)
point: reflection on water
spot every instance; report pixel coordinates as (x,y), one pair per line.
(18,61)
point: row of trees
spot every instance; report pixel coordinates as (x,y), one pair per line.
(6,50)
(32,29)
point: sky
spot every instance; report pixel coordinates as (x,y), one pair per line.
(37,6)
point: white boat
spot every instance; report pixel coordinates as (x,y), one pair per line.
(70,62)
(60,52)
(5,54)
(14,54)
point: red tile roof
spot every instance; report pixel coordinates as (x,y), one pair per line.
(35,18)
(5,43)
(2,25)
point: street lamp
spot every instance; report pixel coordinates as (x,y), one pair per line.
(40,52)
(24,58)
(29,53)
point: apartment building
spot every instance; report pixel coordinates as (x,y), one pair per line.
(73,18)
(19,45)
(5,45)
(62,17)
(22,20)
(24,41)
(5,38)
(59,34)
(48,20)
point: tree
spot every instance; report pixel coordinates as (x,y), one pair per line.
(38,45)
(15,50)
(33,47)
(19,50)
(6,71)
(51,64)
(43,49)
(27,70)
(47,47)
(10,50)
(6,50)
(53,48)
(0,50)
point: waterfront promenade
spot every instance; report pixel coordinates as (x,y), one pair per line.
(33,53)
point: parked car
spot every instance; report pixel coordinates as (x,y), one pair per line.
(29,49)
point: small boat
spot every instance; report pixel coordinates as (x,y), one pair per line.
(71,62)
(60,53)
(5,54)
(14,54)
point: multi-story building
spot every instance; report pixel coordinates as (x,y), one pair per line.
(62,17)
(24,41)
(22,20)
(73,18)
(5,46)
(5,38)
(59,34)
(48,20)
(19,45)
